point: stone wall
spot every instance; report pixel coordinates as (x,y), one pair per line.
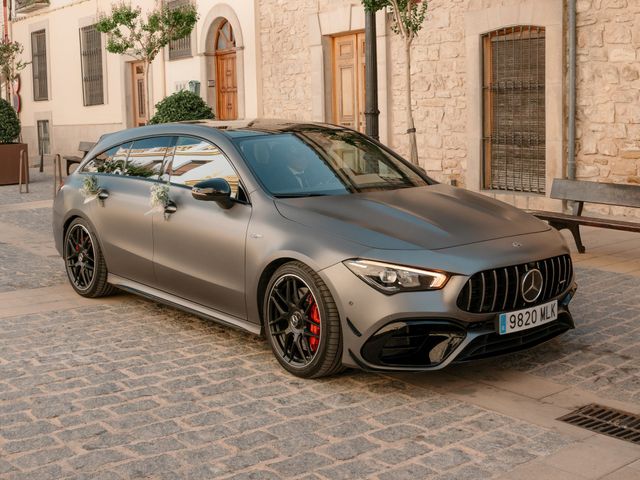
(608,76)
(608,116)
(438,90)
(286,61)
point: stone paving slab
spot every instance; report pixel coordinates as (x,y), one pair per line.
(40,188)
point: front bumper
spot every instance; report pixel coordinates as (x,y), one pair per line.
(421,331)
(417,345)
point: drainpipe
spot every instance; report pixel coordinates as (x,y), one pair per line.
(571,153)
(5,23)
(371,68)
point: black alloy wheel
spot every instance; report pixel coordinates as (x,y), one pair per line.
(85,265)
(302,322)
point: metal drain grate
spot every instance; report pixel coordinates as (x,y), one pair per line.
(608,421)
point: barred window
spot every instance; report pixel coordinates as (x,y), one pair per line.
(180,48)
(39,65)
(514,109)
(91,60)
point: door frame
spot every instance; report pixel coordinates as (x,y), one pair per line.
(335,21)
(217,14)
(218,64)
(359,80)
(134,96)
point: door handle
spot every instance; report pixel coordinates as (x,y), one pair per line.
(103,194)
(170,208)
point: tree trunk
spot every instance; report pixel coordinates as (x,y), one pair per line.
(7,91)
(411,129)
(147,65)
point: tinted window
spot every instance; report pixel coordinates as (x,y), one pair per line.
(112,161)
(146,157)
(195,160)
(324,162)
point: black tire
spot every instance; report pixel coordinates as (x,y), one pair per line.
(84,262)
(307,289)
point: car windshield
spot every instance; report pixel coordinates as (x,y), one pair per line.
(314,162)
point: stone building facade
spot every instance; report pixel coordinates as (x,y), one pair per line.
(447,81)
(304,60)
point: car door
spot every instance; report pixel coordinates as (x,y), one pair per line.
(199,250)
(125,174)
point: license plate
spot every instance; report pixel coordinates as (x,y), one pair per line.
(527,317)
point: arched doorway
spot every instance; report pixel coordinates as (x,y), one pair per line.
(226,72)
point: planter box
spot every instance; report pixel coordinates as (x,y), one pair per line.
(10,162)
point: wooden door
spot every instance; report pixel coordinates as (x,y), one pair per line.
(227,82)
(139,94)
(349,81)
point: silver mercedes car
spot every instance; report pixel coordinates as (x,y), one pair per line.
(331,245)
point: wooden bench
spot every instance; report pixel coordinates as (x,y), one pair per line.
(84,147)
(621,195)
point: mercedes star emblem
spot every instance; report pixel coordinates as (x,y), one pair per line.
(531,285)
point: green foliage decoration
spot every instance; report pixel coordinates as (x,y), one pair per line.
(180,106)
(131,33)
(10,66)
(408,15)
(9,123)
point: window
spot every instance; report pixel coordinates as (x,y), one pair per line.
(91,59)
(195,160)
(147,156)
(39,65)
(514,109)
(180,48)
(225,40)
(44,146)
(112,161)
(324,162)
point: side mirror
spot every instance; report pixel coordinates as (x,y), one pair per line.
(213,190)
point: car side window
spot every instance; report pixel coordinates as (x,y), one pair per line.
(111,161)
(195,160)
(147,156)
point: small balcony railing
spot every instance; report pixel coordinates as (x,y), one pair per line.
(26,6)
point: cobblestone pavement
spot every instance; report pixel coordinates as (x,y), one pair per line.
(125,388)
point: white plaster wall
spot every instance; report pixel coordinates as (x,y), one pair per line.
(68,116)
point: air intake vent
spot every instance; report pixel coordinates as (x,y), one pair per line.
(608,421)
(499,290)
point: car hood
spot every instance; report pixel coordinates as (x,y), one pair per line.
(432,217)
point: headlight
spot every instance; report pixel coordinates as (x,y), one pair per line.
(392,279)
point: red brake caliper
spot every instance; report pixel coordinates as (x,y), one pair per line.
(314,328)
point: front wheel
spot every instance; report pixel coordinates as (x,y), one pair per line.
(86,268)
(302,323)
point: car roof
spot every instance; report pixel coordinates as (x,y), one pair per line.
(231,129)
(260,126)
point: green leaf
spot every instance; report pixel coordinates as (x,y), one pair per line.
(9,123)
(180,106)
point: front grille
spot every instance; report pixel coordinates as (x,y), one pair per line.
(606,420)
(499,289)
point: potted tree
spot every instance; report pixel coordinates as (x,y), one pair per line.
(9,148)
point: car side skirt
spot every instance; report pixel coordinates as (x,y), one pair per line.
(182,304)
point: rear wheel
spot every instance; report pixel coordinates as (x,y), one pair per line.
(302,323)
(85,265)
